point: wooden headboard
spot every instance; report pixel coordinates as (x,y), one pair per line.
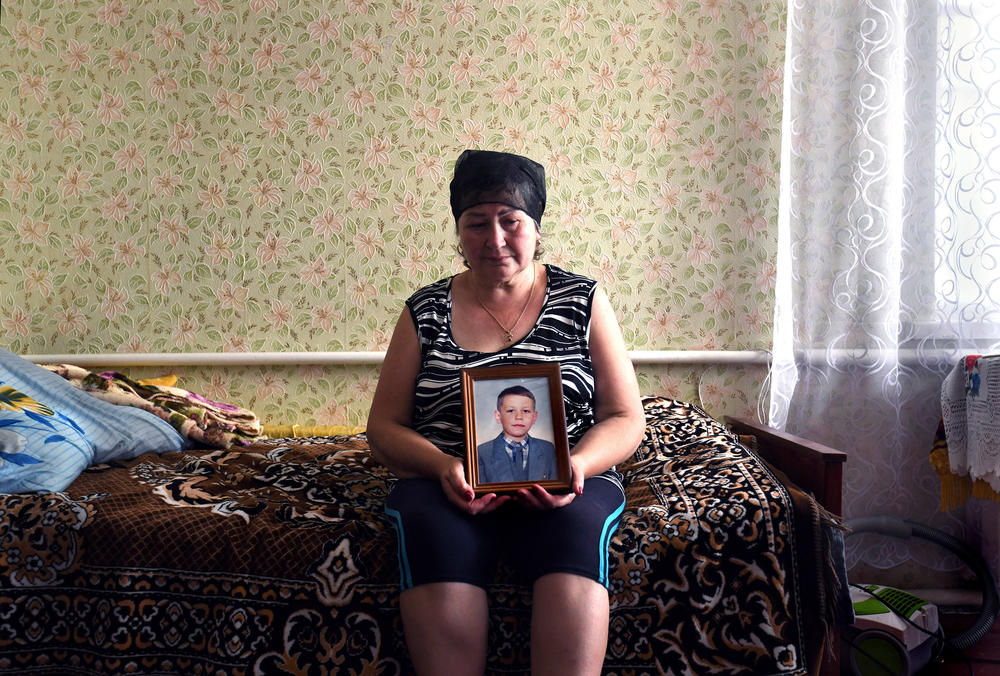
(815,468)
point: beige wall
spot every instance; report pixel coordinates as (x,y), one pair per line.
(272,176)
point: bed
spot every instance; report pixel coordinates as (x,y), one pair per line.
(276,558)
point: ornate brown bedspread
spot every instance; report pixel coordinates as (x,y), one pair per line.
(276,558)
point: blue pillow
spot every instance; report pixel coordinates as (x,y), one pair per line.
(50,431)
(40,449)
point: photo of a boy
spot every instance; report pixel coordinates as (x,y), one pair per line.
(515,455)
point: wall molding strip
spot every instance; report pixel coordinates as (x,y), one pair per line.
(353,358)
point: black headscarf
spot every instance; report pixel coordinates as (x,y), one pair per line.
(485,177)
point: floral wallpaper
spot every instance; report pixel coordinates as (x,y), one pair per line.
(271,175)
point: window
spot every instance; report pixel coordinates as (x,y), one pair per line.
(967,170)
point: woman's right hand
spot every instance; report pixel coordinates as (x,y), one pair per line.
(460,493)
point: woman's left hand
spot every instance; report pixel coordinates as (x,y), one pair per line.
(537,497)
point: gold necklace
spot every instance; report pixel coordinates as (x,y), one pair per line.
(509,333)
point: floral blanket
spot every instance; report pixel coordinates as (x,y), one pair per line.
(276,558)
(203,421)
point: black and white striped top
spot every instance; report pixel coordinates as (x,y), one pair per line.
(561,334)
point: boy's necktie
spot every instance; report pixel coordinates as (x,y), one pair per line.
(517,452)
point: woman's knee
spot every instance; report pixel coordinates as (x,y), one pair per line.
(446,626)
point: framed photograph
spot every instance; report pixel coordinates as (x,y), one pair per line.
(515,429)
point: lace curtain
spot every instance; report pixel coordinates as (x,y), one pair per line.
(889,245)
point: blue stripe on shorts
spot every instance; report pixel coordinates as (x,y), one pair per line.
(405,578)
(610,526)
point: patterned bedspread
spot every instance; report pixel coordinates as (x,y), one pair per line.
(276,558)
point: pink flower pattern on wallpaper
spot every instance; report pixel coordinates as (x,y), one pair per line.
(259,178)
(327,224)
(161,84)
(279,314)
(269,55)
(28,37)
(310,79)
(573,20)
(12,131)
(473,134)
(407,209)
(167,35)
(309,175)
(172,230)
(228,103)
(111,108)
(266,193)
(465,68)
(75,183)
(82,249)
(232,153)
(212,196)
(117,207)
(77,54)
(323,29)
(33,86)
(123,58)
(32,231)
(413,67)
(180,139)
(320,124)
(16,323)
(129,158)
(273,249)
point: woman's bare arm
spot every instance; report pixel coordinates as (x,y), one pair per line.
(618,410)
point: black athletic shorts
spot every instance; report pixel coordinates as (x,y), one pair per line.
(440,543)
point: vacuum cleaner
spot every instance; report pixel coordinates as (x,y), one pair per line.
(896,633)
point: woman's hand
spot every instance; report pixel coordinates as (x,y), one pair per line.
(538,498)
(460,493)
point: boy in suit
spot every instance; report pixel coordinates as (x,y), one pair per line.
(514,455)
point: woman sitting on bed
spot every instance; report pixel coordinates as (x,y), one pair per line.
(506,309)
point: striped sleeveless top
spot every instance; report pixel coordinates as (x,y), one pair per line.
(561,334)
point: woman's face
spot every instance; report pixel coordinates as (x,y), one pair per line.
(497,240)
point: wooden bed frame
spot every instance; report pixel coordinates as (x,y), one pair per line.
(813,467)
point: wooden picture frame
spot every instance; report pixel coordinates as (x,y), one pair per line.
(489,468)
